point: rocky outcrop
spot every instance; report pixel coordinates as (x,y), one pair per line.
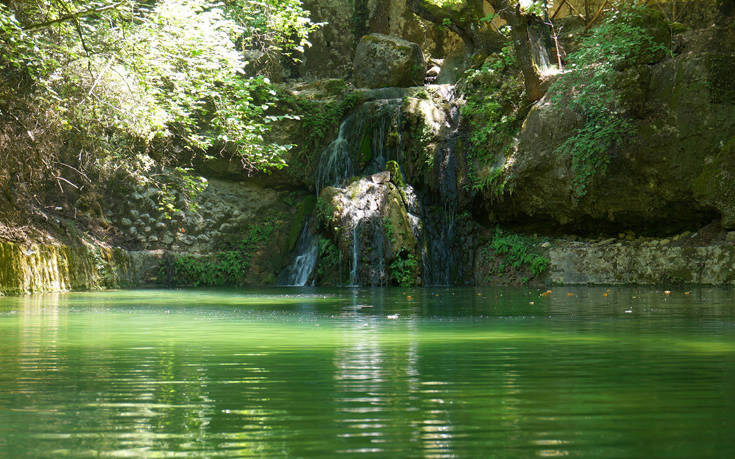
(704,257)
(675,173)
(371,223)
(39,268)
(382,61)
(676,260)
(345,23)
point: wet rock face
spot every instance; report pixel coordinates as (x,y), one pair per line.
(382,61)
(643,262)
(376,233)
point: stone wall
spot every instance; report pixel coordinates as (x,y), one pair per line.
(643,262)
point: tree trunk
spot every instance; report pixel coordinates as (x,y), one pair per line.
(518,23)
(522,46)
(465,22)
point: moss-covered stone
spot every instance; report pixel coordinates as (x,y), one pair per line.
(51,268)
(395,173)
(715,186)
(383,61)
(721,69)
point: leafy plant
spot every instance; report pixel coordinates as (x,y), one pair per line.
(225,268)
(589,89)
(495,112)
(517,251)
(403,269)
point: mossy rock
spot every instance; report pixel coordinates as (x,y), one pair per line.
(715,186)
(382,61)
(395,173)
(721,69)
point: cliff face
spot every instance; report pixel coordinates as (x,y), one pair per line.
(672,174)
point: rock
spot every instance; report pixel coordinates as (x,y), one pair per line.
(147,229)
(152,239)
(345,22)
(675,171)
(730,236)
(167,239)
(384,61)
(132,231)
(650,264)
(134,213)
(375,214)
(160,226)
(125,222)
(381,177)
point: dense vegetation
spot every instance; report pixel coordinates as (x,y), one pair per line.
(94,90)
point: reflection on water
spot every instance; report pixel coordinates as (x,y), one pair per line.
(434,373)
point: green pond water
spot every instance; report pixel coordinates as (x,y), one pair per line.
(381,372)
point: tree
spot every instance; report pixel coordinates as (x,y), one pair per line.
(90,87)
(467,19)
(518,20)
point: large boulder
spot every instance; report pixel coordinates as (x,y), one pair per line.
(371,224)
(382,61)
(345,22)
(675,173)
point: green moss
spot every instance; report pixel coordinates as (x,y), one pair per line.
(721,69)
(305,207)
(365,151)
(46,268)
(395,173)
(715,185)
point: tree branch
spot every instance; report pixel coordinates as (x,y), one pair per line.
(80,14)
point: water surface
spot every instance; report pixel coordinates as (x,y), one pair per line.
(383,372)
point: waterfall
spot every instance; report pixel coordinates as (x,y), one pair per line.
(306,253)
(362,145)
(355,253)
(538,49)
(367,138)
(439,218)
(334,163)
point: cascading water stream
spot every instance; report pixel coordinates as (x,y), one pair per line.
(355,253)
(441,261)
(362,146)
(539,52)
(307,252)
(369,137)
